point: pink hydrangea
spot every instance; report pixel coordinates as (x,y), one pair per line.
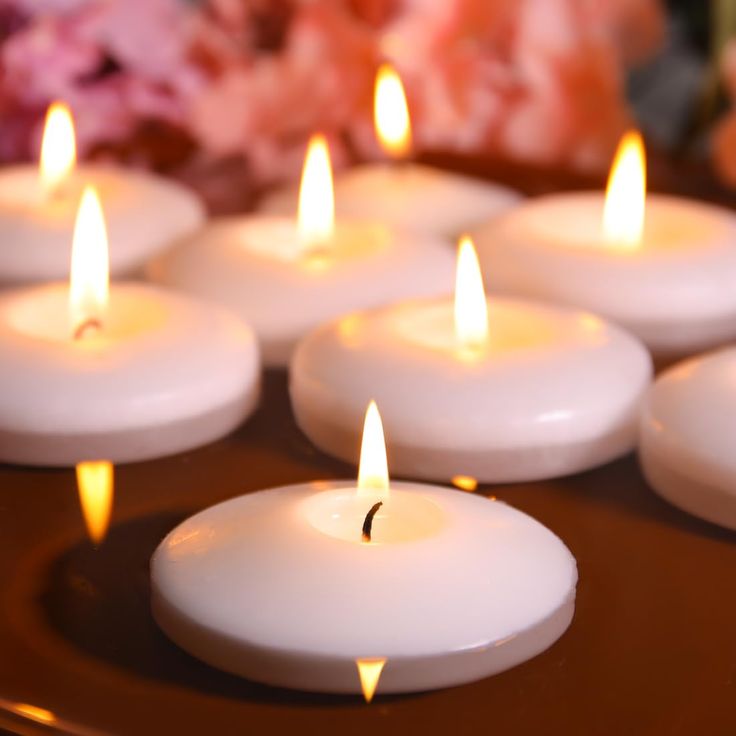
(539,80)
(724,136)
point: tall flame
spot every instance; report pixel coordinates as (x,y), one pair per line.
(316,213)
(89,280)
(369,671)
(623,212)
(58,148)
(373,466)
(471,308)
(391,113)
(96,490)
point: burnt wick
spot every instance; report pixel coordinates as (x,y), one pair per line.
(84,327)
(368,523)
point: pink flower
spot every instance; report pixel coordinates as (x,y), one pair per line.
(534,79)
(45,60)
(266,106)
(728,68)
(539,80)
(572,107)
(636,26)
(723,141)
(115,62)
(724,149)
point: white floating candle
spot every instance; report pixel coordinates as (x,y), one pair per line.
(144,374)
(287,277)
(404,194)
(284,586)
(146,213)
(667,275)
(539,392)
(687,433)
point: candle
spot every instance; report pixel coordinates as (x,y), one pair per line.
(507,390)
(321,585)
(409,195)
(37,207)
(286,277)
(666,274)
(126,372)
(687,430)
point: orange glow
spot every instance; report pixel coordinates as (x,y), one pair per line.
(90,277)
(316,213)
(465,482)
(373,466)
(96,491)
(40,715)
(369,671)
(624,208)
(471,308)
(58,148)
(391,113)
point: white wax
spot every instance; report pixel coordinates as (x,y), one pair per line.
(687,437)
(260,587)
(256,266)
(676,291)
(409,196)
(164,374)
(144,213)
(554,392)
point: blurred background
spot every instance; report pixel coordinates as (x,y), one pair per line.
(229,90)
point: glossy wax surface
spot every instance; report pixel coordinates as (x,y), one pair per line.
(687,432)
(675,291)
(411,196)
(254,587)
(553,391)
(144,214)
(136,388)
(257,266)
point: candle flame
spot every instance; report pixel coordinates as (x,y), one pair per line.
(316,213)
(58,148)
(89,281)
(40,715)
(465,482)
(373,466)
(623,212)
(471,308)
(391,113)
(96,491)
(369,671)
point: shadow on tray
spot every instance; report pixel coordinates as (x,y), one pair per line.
(98,601)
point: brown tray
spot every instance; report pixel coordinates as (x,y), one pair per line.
(652,649)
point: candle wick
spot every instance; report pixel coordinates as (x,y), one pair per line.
(91,323)
(368,523)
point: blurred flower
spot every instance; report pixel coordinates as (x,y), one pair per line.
(539,80)
(724,135)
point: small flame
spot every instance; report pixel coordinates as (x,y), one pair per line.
(373,466)
(40,715)
(369,671)
(391,113)
(465,482)
(471,308)
(96,491)
(623,212)
(58,148)
(316,213)
(89,282)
